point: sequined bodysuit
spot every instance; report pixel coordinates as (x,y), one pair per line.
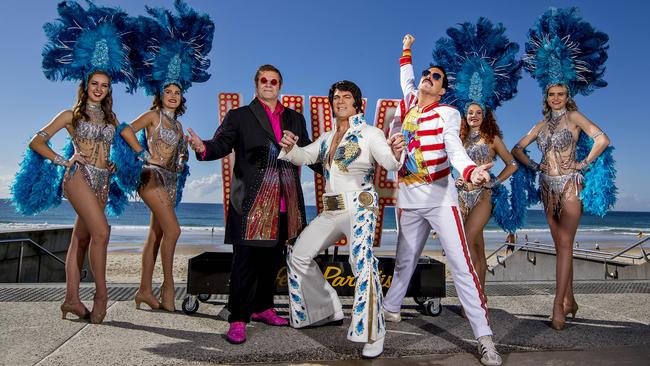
(557,185)
(168,151)
(92,140)
(480,153)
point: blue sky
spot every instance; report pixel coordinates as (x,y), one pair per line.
(317,43)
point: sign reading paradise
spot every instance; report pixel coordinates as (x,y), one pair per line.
(209,273)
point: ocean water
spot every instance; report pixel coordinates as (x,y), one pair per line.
(203,224)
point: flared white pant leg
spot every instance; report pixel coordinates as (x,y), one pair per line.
(312,297)
(447,222)
(368,322)
(413,232)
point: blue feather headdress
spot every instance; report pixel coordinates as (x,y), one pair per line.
(564,49)
(82,41)
(175,48)
(481,63)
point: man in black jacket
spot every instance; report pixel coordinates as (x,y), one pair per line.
(266,208)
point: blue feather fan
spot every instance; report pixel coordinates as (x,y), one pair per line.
(127,174)
(599,192)
(82,41)
(36,186)
(481,64)
(175,47)
(564,49)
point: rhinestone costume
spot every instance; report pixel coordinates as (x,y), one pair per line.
(92,140)
(558,145)
(168,151)
(351,208)
(480,153)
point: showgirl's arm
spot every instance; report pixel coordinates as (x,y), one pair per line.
(518,149)
(128,134)
(39,141)
(505,155)
(601,141)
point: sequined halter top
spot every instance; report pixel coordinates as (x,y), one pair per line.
(478,151)
(92,139)
(557,145)
(164,141)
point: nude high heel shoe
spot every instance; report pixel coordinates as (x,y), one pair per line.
(76,309)
(168,306)
(558,317)
(98,313)
(151,302)
(573,310)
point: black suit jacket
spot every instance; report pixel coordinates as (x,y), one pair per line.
(247,131)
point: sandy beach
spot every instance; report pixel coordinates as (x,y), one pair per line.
(123,266)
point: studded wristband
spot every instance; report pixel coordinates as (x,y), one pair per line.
(43,134)
(532,164)
(144,155)
(59,160)
(493,184)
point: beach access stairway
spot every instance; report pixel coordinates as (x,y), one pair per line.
(535,261)
(36,255)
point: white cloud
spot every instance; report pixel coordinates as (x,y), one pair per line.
(632,202)
(309,192)
(209,189)
(206,189)
(5,182)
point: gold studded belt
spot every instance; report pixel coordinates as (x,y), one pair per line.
(333,203)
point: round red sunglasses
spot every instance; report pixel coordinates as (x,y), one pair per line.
(264,80)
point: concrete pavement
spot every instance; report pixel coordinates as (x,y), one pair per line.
(612,327)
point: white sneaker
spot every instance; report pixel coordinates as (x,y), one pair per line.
(488,352)
(392,317)
(372,350)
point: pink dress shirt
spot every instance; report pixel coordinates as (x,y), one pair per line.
(275,117)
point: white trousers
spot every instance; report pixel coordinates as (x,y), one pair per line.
(312,298)
(414,228)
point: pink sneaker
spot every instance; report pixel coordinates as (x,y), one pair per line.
(269,317)
(237,333)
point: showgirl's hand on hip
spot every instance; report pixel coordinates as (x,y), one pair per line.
(543,167)
(76,158)
(70,164)
(574,165)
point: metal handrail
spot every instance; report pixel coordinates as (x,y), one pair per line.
(605,257)
(504,245)
(501,260)
(37,245)
(639,243)
(596,254)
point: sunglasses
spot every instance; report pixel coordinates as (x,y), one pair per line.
(264,80)
(434,75)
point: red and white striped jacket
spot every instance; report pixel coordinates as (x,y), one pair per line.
(434,145)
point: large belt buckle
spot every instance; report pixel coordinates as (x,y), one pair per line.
(366,199)
(333,203)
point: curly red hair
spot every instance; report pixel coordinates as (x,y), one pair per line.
(489,128)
